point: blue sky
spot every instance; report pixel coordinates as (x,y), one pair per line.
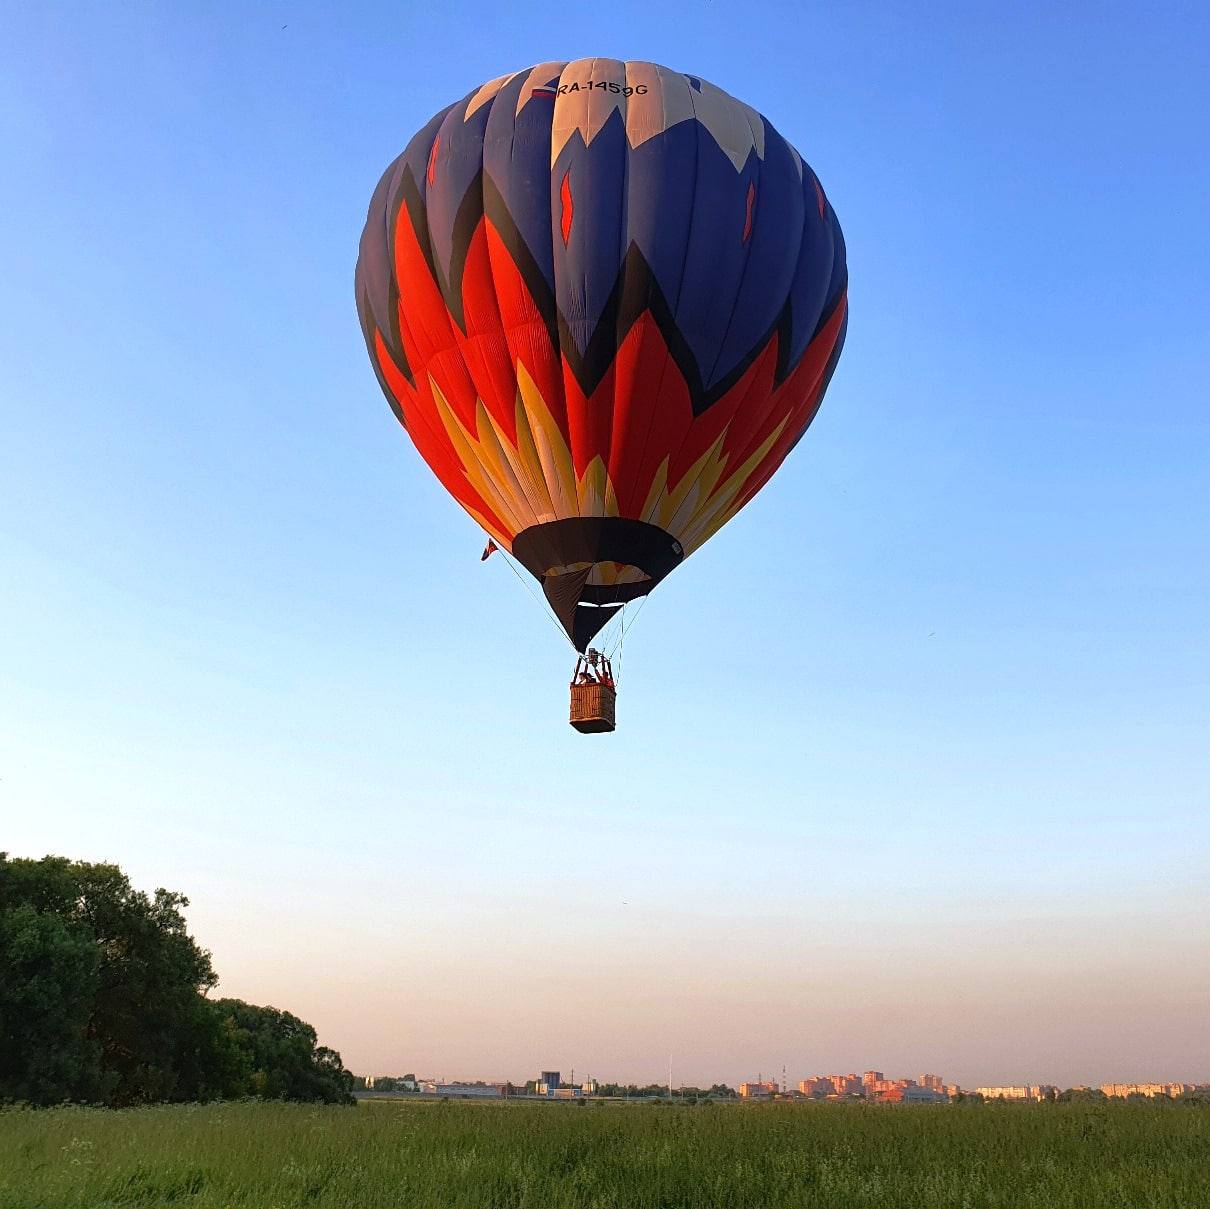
(912,768)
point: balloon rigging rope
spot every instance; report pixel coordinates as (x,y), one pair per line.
(544,605)
(612,639)
(619,644)
(621,640)
(541,602)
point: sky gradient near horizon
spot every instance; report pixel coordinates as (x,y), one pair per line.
(912,769)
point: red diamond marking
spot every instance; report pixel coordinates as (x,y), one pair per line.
(567,208)
(751,205)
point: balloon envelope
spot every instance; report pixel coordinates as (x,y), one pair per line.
(605,300)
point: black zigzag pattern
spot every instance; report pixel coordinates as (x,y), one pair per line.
(635,290)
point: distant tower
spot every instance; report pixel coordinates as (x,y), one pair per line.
(783,1078)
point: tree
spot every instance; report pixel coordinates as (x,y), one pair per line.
(279,1058)
(48,982)
(1079,1095)
(151,976)
(100,983)
(103,1000)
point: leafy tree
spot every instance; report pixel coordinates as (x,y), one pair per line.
(151,975)
(211,1066)
(279,1058)
(102,1000)
(48,982)
(100,984)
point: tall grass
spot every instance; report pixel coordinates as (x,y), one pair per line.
(556,1156)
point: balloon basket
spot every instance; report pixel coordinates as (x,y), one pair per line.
(593,708)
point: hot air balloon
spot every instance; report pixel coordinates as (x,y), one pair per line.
(605,300)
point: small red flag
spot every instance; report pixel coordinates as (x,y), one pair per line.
(488,550)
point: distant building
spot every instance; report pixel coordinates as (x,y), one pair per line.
(925,1095)
(463,1091)
(873,1083)
(831,1085)
(845,1085)
(758,1091)
(912,1093)
(877,1088)
(1150,1090)
(933,1082)
(549,1082)
(1018,1091)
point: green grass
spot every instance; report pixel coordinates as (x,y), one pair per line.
(279,1156)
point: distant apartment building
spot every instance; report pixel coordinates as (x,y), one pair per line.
(758,1091)
(874,1084)
(932,1082)
(1150,1090)
(845,1085)
(1019,1091)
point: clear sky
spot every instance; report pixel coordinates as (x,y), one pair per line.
(913,762)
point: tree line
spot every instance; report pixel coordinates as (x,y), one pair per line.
(717,1091)
(104,999)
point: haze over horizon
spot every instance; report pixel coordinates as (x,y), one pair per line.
(911,770)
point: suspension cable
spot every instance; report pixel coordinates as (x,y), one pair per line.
(618,646)
(541,602)
(544,605)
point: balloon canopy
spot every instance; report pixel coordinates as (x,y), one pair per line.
(605,300)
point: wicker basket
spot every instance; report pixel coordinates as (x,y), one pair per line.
(592,708)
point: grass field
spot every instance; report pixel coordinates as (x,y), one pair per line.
(278,1156)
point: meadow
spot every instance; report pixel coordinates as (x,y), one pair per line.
(252,1155)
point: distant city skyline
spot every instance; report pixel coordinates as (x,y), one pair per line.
(871,1084)
(867,1081)
(911,759)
